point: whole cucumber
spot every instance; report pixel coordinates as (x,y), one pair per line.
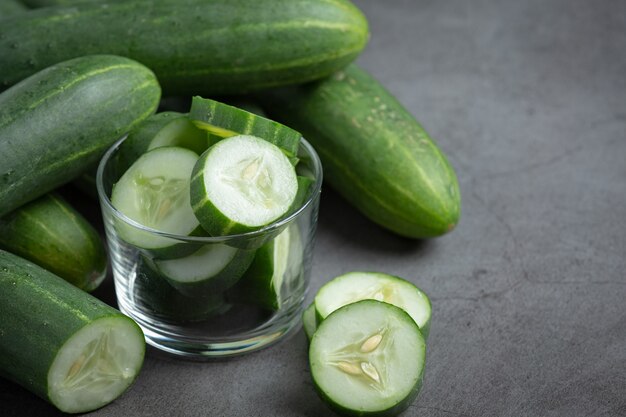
(58,122)
(49,232)
(373,152)
(10,8)
(201,47)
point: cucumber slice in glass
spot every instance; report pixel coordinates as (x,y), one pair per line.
(96,364)
(154,192)
(211,269)
(367,358)
(309,323)
(224,121)
(241,184)
(356,286)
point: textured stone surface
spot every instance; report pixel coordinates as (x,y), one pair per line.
(528,99)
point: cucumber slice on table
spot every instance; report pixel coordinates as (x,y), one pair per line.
(241,184)
(154,192)
(224,121)
(367,358)
(309,323)
(211,269)
(61,343)
(355,286)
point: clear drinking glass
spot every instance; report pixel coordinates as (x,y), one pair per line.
(230,315)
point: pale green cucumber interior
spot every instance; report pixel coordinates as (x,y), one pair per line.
(308,321)
(281,257)
(367,356)
(205,263)
(154,192)
(355,286)
(180,132)
(250,181)
(96,364)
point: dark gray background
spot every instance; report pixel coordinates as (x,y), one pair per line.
(528,100)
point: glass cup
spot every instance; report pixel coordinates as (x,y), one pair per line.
(258,280)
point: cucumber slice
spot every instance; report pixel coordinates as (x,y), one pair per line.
(355,286)
(162,129)
(224,121)
(158,298)
(367,358)
(154,192)
(211,269)
(308,321)
(262,283)
(241,184)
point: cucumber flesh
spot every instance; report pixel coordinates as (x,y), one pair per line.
(224,121)
(96,365)
(154,192)
(180,132)
(241,184)
(308,321)
(356,286)
(367,358)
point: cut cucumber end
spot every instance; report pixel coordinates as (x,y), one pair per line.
(367,358)
(96,365)
(355,286)
(308,321)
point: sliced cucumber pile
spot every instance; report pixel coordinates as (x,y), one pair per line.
(154,192)
(241,184)
(224,121)
(367,358)
(356,286)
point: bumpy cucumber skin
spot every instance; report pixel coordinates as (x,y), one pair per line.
(59,122)
(183,40)
(373,152)
(40,312)
(10,8)
(389,412)
(50,233)
(242,122)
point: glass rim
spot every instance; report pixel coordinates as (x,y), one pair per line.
(106,202)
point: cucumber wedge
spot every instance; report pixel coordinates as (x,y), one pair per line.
(225,121)
(211,269)
(309,323)
(241,184)
(367,358)
(356,286)
(61,343)
(154,192)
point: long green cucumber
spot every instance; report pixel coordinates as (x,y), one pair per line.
(61,343)
(10,8)
(373,152)
(50,233)
(59,122)
(202,47)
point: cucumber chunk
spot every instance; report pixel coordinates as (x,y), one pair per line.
(308,321)
(241,184)
(224,121)
(367,358)
(211,269)
(154,192)
(355,286)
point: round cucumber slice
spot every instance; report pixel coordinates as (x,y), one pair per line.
(224,121)
(211,269)
(96,364)
(241,184)
(308,321)
(367,358)
(154,192)
(356,286)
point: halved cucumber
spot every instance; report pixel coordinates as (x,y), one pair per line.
(355,286)
(367,358)
(241,184)
(262,283)
(211,269)
(154,192)
(224,121)
(162,129)
(309,323)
